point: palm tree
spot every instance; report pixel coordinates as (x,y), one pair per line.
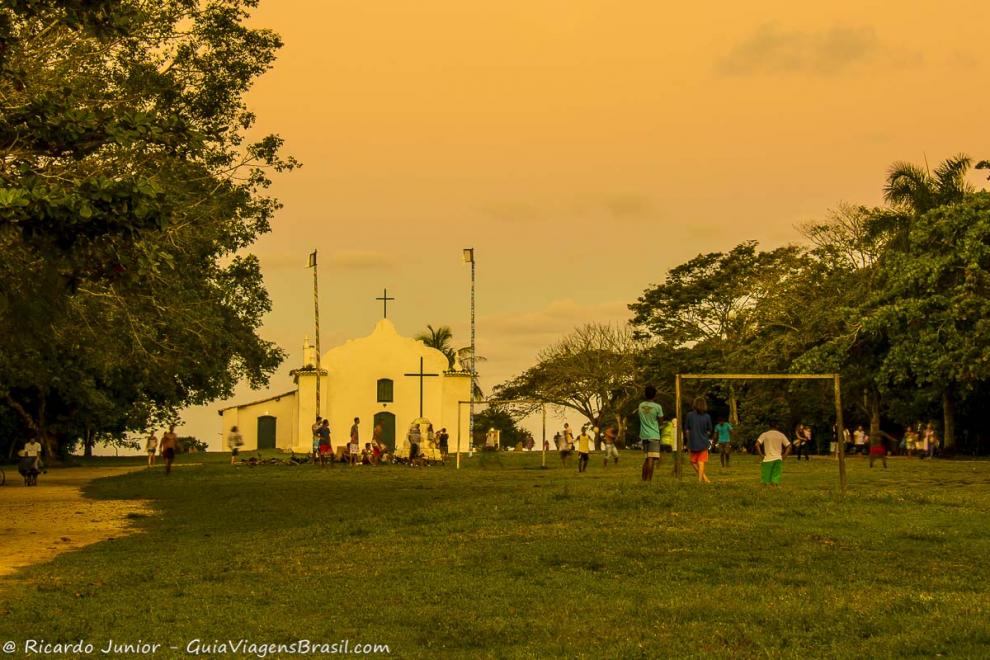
(912,192)
(440,339)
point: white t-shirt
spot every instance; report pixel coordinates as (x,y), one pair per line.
(859,438)
(773,443)
(31,449)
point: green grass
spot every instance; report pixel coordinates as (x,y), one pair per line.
(519,561)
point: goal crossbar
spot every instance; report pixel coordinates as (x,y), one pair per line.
(839,428)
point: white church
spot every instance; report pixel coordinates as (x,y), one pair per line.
(383,378)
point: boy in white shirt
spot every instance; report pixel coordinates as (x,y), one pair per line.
(774,446)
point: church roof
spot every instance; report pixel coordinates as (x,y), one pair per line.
(275,397)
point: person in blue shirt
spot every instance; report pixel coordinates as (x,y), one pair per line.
(723,434)
(698,430)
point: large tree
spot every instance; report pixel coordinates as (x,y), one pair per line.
(594,371)
(702,309)
(128,193)
(912,192)
(935,305)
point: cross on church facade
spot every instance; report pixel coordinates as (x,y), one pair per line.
(421,376)
(385,298)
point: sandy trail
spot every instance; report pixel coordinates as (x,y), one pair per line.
(40,522)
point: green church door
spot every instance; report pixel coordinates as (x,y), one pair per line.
(266,432)
(387,422)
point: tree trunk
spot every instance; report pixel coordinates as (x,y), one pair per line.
(620,431)
(873,402)
(89,439)
(949,420)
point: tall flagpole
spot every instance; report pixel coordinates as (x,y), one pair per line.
(469,257)
(316,310)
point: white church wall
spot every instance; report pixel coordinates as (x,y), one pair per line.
(245,417)
(355,369)
(456,388)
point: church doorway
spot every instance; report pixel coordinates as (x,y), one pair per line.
(387,422)
(266,432)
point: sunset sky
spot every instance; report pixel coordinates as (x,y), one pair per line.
(583,147)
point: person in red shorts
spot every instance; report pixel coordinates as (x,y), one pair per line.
(325,449)
(698,430)
(878,449)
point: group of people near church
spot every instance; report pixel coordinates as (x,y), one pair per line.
(351,453)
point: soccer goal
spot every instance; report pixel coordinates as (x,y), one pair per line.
(531,404)
(839,429)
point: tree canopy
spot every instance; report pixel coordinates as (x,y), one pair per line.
(129,193)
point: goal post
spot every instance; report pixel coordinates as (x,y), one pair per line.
(839,428)
(541,405)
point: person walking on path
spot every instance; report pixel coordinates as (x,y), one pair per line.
(698,429)
(723,433)
(610,449)
(170,445)
(151,446)
(235,442)
(584,449)
(650,417)
(774,446)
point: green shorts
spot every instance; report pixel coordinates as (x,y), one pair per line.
(770,472)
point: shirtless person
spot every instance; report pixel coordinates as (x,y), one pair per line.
(170,445)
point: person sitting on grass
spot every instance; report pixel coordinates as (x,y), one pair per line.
(366,454)
(774,446)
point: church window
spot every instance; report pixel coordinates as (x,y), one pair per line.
(384,390)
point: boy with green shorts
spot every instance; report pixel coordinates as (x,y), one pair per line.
(774,446)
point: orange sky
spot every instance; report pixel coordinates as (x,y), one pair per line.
(582,146)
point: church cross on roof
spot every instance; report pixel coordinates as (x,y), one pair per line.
(385,298)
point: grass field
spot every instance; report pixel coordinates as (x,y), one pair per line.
(517,561)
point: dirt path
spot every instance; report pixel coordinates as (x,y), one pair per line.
(40,522)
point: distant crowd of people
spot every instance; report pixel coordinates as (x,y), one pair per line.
(657,434)
(421,445)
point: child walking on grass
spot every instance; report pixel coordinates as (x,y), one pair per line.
(650,414)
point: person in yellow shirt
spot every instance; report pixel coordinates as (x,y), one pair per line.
(584,448)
